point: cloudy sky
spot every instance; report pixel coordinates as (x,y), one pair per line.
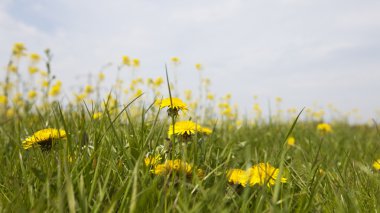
(305,51)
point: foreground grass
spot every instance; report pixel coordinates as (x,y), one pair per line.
(100,167)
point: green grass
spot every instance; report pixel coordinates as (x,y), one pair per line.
(100,167)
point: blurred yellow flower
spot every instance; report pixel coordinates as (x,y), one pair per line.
(3,99)
(45,83)
(126,60)
(43,138)
(32,94)
(89,89)
(210,96)
(136,62)
(324,128)
(12,68)
(32,70)
(198,66)
(170,166)
(376,165)
(278,99)
(152,160)
(34,57)
(55,90)
(291,141)
(97,115)
(18,49)
(101,76)
(10,113)
(259,174)
(175,60)
(264,173)
(158,81)
(237,176)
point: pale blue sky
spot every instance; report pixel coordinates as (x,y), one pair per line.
(302,50)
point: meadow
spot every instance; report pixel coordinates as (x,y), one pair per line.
(143,146)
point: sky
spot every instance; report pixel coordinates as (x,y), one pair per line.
(306,51)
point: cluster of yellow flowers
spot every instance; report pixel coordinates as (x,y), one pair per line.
(260,174)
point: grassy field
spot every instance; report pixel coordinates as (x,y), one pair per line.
(100,163)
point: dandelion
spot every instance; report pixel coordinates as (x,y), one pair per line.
(32,70)
(158,81)
(152,160)
(126,60)
(198,66)
(12,68)
(32,94)
(376,165)
(264,173)
(136,62)
(324,128)
(89,89)
(55,90)
(174,105)
(101,76)
(10,113)
(97,115)
(259,174)
(175,60)
(18,49)
(291,141)
(3,99)
(186,129)
(210,96)
(237,176)
(34,57)
(170,166)
(44,138)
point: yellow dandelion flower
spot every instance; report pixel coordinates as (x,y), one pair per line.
(210,96)
(152,160)
(45,83)
(291,141)
(175,60)
(97,115)
(174,105)
(89,89)
(136,62)
(32,70)
(324,128)
(376,165)
(13,68)
(10,113)
(44,73)
(170,166)
(3,99)
(187,128)
(126,60)
(34,57)
(18,49)
(158,81)
(43,138)
(55,90)
(198,66)
(101,76)
(237,176)
(264,173)
(32,94)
